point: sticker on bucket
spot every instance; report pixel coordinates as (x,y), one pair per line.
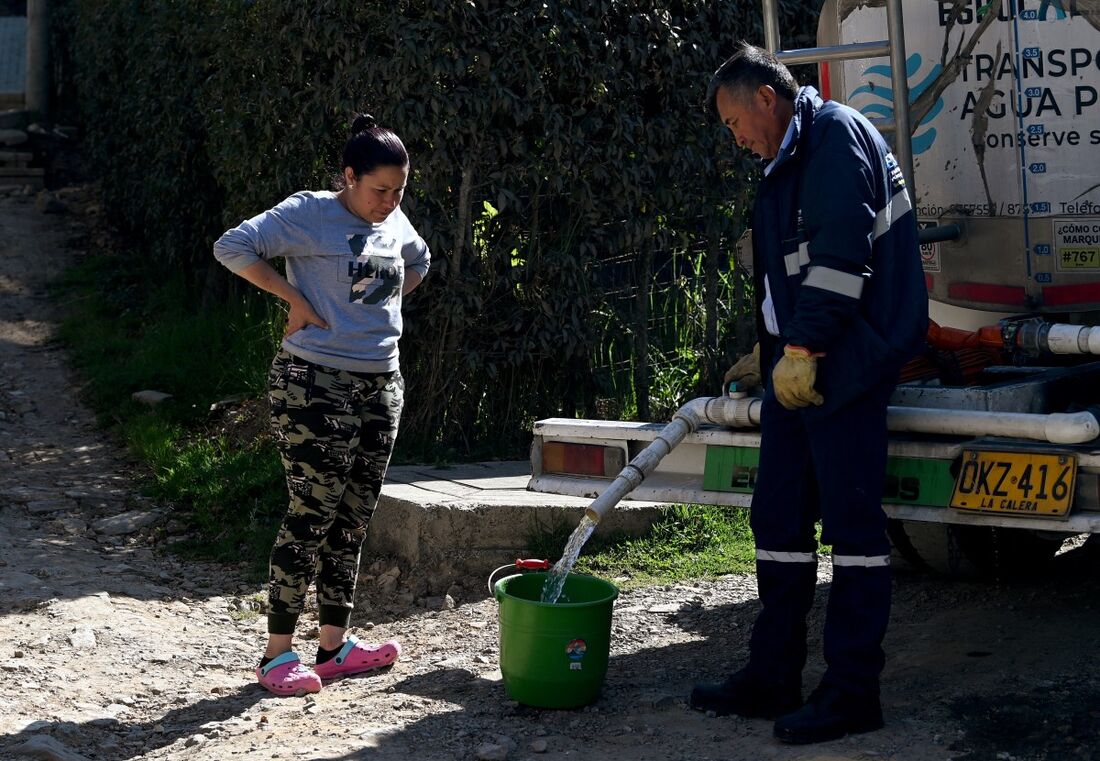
(576,650)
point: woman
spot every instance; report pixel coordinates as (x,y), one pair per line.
(335,387)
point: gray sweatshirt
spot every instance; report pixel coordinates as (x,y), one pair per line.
(350,271)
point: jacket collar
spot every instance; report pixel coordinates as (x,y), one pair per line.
(806,103)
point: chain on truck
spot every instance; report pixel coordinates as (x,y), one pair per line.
(994,458)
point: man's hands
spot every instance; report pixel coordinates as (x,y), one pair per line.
(746,371)
(793,378)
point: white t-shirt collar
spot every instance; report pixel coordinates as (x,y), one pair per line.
(787,137)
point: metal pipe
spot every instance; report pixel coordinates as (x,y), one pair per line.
(939,233)
(1057,428)
(740,413)
(1058,338)
(771,26)
(849,52)
(36,94)
(903,147)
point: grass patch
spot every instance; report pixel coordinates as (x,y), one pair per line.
(687,542)
(218,470)
(234,496)
(124,339)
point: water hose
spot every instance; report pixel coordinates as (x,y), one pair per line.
(744,412)
(740,412)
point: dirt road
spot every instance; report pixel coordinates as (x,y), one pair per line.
(111,650)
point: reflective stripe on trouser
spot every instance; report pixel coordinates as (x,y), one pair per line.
(830,468)
(335,431)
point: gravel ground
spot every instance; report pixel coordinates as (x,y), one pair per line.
(110,649)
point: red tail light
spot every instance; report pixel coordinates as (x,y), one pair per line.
(582,459)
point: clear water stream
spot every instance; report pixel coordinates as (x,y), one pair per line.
(555,580)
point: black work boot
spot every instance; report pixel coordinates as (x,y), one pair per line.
(830,714)
(746,695)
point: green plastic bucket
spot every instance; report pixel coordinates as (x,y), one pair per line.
(554,656)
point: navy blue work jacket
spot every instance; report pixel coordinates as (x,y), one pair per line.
(834,230)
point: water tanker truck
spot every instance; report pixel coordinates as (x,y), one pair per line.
(993,111)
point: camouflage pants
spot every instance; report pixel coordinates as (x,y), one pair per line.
(335,431)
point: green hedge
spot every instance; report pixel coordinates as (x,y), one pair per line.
(579,205)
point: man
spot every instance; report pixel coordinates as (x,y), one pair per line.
(842,305)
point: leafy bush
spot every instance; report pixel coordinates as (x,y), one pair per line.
(562,165)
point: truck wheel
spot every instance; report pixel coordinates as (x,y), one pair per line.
(931,547)
(972,551)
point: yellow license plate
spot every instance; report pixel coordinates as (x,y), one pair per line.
(1018,483)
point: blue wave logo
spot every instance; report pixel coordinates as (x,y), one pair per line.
(879,100)
(1059,10)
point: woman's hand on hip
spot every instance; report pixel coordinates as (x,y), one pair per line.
(302,314)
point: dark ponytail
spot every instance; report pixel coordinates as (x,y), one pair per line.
(371,146)
(362,123)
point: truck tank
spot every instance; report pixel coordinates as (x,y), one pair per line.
(1006,145)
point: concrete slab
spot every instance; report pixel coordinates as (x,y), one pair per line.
(478,516)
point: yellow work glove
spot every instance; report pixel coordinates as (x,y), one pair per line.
(793,378)
(746,371)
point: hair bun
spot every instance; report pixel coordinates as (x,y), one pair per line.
(362,123)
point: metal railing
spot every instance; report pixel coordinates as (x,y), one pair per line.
(893,46)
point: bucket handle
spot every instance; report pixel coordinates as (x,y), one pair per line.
(528,564)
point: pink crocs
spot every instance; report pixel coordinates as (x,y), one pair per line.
(355,657)
(285,675)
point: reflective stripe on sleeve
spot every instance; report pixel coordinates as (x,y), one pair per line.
(786,557)
(795,261)
(896,208)
(771,323)
(862,561)
(828,279)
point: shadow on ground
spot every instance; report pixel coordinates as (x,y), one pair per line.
(976,671)
(118,739)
